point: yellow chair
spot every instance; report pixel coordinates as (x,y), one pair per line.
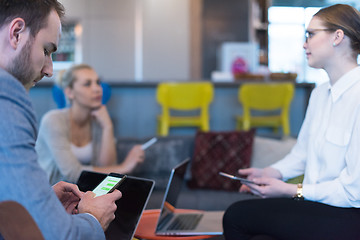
(268,97)
(184,97)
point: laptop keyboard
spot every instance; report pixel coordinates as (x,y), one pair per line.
(164,221)
(185,222)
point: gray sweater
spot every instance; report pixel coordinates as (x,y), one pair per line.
(21,178)
(54,147)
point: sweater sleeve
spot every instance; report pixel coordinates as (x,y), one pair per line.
(21,178)
(54,143)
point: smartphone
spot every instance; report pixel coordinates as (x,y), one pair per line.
(242,180)
(149,143)
(109,184)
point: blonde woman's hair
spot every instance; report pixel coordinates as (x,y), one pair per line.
(66,78)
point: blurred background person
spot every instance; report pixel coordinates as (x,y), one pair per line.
(81,137)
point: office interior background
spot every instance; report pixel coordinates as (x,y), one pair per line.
(162,40)
(143,42)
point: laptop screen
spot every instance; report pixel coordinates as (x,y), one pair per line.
(173,190)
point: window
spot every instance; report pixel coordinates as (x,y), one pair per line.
(69,51)
(286,39)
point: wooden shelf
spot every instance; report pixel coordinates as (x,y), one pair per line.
(259,27)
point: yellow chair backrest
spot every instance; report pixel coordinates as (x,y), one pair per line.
(185,96)
(266,96)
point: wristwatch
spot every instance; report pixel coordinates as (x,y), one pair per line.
(299,193)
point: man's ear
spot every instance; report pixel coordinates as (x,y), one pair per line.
(16,32)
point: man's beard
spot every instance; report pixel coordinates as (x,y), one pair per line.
(21,66)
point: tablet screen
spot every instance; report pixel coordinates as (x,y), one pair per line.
(135,194)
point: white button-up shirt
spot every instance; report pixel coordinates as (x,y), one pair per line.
(328,147)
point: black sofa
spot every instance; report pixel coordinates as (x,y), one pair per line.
(169,151)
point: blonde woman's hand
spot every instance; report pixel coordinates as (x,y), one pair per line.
(102,116)
(133,158)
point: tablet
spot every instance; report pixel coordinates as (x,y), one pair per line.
(242,180)
(135,195)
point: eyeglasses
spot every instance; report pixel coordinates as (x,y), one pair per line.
(310,34)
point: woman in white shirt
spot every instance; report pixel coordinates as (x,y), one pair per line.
(81,137)
(327,151)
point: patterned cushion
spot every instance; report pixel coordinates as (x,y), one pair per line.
(220,151)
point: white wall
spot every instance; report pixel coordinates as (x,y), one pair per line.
(166,39)
(108,39)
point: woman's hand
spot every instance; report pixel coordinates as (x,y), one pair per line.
(102,116)
(267,187)
(135,156)
(251,173)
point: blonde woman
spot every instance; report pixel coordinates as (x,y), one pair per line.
(80,137)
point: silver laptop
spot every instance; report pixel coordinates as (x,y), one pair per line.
(182,224)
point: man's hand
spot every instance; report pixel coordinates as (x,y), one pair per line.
(69,195)
(102,207)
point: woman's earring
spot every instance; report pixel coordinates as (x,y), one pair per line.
(334,44)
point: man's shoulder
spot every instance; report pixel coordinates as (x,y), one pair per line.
(8,79)
(12,89)
(15,99)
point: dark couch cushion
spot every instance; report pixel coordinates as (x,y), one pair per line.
(220,151)
(160,158)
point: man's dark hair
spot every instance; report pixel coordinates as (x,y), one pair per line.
(34,12)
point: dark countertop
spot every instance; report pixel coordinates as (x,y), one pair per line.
(151,84)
